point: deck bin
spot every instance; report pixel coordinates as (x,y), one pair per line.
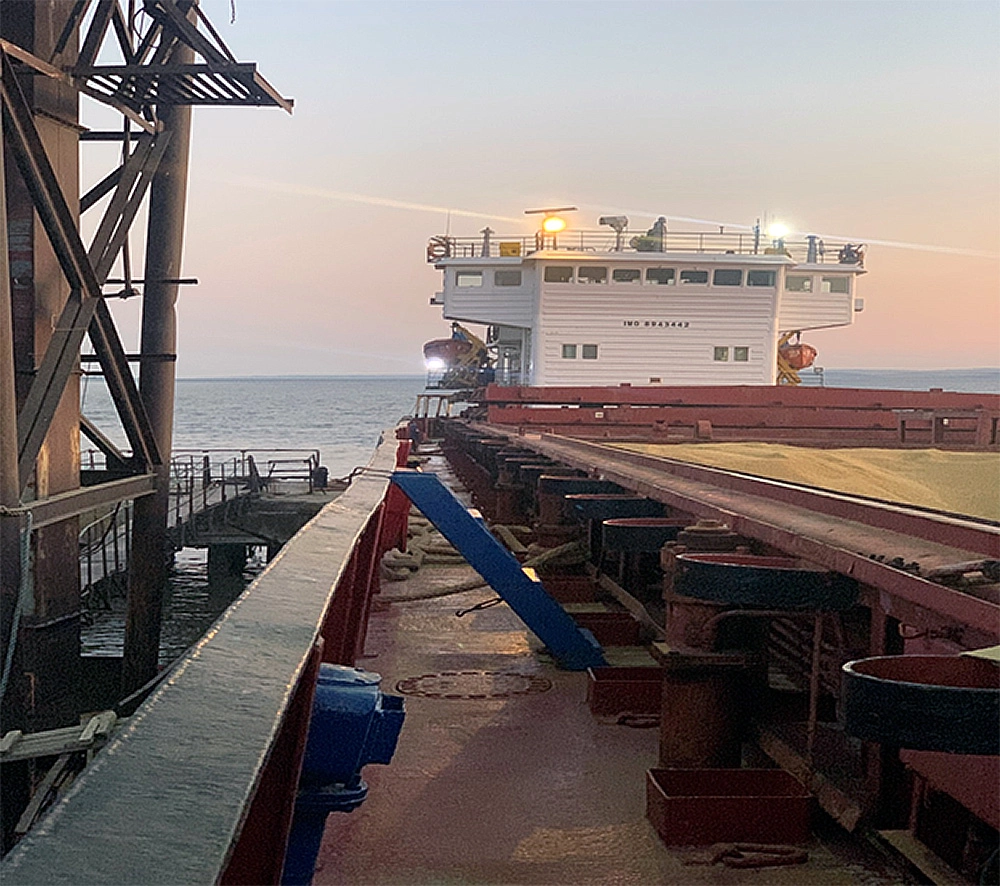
(612,691)
(694,807)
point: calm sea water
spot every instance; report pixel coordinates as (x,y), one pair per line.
(342,418)
(972,381)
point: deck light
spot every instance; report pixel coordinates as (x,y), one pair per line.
(551,225)
(434,364)
(777,231)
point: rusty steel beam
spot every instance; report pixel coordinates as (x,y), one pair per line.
(99,25)
(137,176)
(164,251)
(50,379)
(734,396)
(43,67)
(74,18)
(60,226)
(70,504)
(187,30)
(130,189)
(93,433)
(41,181)
(104,187)
(11,515)
(122,34)
(79,268)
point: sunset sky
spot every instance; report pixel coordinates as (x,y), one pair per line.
(870,121)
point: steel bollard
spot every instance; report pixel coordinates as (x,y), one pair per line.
(353,724)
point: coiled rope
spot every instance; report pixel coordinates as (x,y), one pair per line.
(426,547)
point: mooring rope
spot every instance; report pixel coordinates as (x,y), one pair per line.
(426,547)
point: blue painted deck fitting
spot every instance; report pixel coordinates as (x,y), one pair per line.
(574,648)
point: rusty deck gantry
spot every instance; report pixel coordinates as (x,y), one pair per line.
(53,296)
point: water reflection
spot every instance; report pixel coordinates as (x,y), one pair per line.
(191,603)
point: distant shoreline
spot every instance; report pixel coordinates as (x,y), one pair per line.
(985,370)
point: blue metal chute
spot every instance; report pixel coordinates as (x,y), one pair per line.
(574,648)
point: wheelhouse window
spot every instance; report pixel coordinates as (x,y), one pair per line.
(468,279)
(761,278)
(841,285)
(727,277)
(507,278)
(588,352)
(721,355)
(660,276)
(592,274)
(694,278)
(798,283)
(741,355)
(569,352)
(558,274)
(626,275)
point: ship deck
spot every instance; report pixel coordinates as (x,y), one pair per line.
(526,788)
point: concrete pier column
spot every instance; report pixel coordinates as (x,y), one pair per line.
(165,241)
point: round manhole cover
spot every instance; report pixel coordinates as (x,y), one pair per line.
(473,684)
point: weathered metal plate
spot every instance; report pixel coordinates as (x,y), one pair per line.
(473,684)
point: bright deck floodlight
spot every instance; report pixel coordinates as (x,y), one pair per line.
(778,231)
(552,224)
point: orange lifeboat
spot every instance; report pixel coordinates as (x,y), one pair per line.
(800,356)
(448,350)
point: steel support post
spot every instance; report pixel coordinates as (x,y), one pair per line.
(10,487)
(165,241)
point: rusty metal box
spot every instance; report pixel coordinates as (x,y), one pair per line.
(624,690)
(693,807)
(610,628)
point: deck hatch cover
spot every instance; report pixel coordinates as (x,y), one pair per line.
(474,685)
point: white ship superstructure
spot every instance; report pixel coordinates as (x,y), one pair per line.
(668,308)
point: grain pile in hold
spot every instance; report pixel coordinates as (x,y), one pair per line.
(960,482)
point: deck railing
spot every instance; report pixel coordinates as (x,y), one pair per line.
(199,478)
(639,242)
(104,549)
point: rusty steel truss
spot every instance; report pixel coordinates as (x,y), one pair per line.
(171,58)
